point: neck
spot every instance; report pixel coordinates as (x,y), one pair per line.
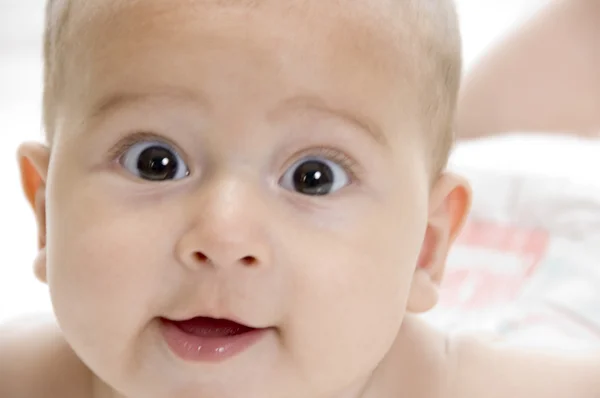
(416,366)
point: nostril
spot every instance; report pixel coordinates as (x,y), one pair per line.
(249,261)
(201,257)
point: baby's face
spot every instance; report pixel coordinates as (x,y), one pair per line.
(252,164)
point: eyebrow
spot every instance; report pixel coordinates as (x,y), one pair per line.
(120,99)
(363,122)
(117,100)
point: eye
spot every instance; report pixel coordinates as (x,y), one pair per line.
(154,161)
(315,176)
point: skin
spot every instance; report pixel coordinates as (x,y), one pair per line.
(232,240)
(339,278)
(542,78)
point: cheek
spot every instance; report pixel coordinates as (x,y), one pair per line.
(351,291)
(106,263)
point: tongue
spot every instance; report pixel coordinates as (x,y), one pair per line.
(210,327)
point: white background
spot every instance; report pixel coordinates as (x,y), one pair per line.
(483,21)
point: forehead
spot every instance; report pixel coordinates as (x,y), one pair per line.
(377,14)
(349,47)
(366,29)
(359,25)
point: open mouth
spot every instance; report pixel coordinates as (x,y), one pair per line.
(211,328)
(204,339)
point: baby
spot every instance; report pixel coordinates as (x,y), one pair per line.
(248,199)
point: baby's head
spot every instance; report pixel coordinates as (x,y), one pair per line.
(274,163)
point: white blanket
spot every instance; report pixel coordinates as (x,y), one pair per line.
(528,264)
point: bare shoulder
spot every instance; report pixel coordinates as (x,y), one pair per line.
(486,368)
(37,362)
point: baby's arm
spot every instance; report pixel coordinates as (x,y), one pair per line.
(35,361)
(544,77)
(494,371)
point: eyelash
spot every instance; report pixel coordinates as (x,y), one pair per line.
(124,145)
(348,163)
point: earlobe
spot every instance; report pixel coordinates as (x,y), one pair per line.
(424,292)
(34,160)
(450,202)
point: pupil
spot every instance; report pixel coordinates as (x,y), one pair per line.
(313,178)
(157,164)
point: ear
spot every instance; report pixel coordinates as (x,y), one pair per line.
(450,202)
(34,160)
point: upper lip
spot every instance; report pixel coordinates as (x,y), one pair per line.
(212,307)
(224,318)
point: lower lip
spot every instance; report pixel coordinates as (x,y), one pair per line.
(208,349)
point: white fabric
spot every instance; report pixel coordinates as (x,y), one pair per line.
(528,264)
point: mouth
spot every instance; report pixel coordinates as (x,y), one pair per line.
(203,339)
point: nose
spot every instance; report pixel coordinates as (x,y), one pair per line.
(227,228)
